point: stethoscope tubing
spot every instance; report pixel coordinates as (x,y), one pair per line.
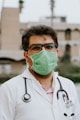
(29,96)
(26,97)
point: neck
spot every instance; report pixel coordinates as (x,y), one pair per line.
(44,80)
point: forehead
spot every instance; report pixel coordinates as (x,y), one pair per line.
(37,39)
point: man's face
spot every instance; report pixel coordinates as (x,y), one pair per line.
(38,43)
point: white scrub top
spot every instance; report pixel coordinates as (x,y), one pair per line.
(12,107)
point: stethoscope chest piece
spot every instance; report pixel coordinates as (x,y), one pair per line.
(26,97)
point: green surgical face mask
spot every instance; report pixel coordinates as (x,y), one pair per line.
(43,62)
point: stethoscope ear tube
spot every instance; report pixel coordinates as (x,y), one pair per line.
(61,90)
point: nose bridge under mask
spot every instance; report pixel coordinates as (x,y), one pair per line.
(44,53)
(39,55)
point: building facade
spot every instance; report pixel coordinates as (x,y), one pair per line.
(11,30)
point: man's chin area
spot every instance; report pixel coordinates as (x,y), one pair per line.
(43,75)
(40,75)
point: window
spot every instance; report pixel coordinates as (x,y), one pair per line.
(68,34)
(21,31)
(5,68)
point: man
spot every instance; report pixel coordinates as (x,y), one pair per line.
(39,93)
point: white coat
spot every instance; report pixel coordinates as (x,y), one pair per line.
(12,107)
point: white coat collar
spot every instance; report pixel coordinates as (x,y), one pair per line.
(28,75)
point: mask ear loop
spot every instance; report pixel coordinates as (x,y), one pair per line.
(30,57)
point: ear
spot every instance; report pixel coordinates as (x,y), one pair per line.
(57,50)
(25,54)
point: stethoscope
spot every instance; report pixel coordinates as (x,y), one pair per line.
(66,99)
(65,96)
(27,97)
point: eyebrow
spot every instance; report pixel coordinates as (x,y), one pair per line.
(42,44)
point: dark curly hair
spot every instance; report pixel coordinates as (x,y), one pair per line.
(38,30)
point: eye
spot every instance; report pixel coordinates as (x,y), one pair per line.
(35,47)
(49,46)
